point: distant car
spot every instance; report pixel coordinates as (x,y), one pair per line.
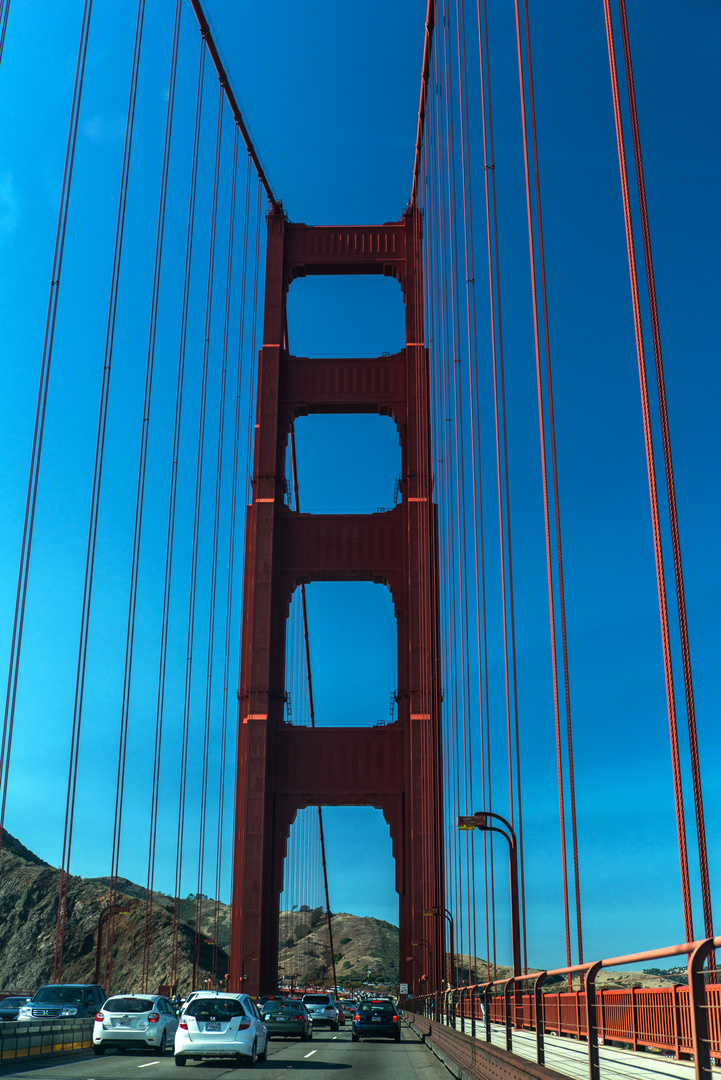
(9,1007)
(376,1018)
(140,1021)
(350,1008)
(221,1026)
(322,1009)
(287,1018)
(60,1000)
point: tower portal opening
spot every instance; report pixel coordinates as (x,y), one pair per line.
(363,900)
(352,634)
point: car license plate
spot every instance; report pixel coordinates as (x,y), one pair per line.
(210,1026)
(376,1019)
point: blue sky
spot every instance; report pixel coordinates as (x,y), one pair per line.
(330,93)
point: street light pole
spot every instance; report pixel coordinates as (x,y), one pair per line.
(437,911)
(481,820)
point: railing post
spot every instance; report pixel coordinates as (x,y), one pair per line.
(602,1016)
(676,1023)
(539,1018)
(507,1008)
(472,1003)
(487,1009)
(699,1019)
(594,1068)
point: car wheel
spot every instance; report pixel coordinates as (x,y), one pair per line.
(163,1043)
(98,1050)
(264,1055)
(180,1061)
(253,1056)
(334,1027)
(355,1038)
(397,1037)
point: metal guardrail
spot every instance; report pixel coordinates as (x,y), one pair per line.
(685,1020)
(473,1059)
(24,1039)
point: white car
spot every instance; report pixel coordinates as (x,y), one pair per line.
(135,1021)
(221,1026)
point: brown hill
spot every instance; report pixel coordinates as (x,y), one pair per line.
(29,890)
(361,945)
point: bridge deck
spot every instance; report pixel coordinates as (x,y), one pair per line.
(569,1057)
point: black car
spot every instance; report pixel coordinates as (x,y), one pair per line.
(376,1019)
(9,1007)
(290,1018)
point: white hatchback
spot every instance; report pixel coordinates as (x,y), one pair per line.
(223,1026)
(135,1021)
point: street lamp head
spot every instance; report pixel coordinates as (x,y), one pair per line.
(476,821)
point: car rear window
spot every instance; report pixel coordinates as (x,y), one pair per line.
(214,1008)
(384,1011)
(128,1005)
(317,999)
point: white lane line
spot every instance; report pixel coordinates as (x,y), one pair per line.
(148,1063)
(311,1053)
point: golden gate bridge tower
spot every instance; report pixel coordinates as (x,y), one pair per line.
(282,768)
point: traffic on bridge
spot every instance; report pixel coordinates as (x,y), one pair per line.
(359,577)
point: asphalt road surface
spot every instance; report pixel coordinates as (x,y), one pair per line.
(328,1056)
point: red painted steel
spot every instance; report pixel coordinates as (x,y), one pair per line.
(282,768)
(683,1020)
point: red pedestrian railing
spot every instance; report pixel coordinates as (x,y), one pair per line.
(683,1019)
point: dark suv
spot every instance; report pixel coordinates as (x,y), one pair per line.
(376,1018)
(59,1000)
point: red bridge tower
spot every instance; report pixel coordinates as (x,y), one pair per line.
(396,768)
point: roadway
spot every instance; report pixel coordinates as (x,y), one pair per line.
(328,1055)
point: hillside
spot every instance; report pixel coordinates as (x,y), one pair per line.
(361,945)
(29,891)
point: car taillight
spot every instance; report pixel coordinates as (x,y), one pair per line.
(395,1020)
(153,1018)
(100,1016)
(329,1008)
(183,1024)
(357,1017)
(243,1025)
(296,1017)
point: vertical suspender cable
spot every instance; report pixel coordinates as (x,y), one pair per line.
(670,487)
(650,464)
(153,830)
(172,506)
(203,801)
(306,641)
(231,540)
(95,502)
(4,12)
(130,629)
(546,501)
(34,472)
